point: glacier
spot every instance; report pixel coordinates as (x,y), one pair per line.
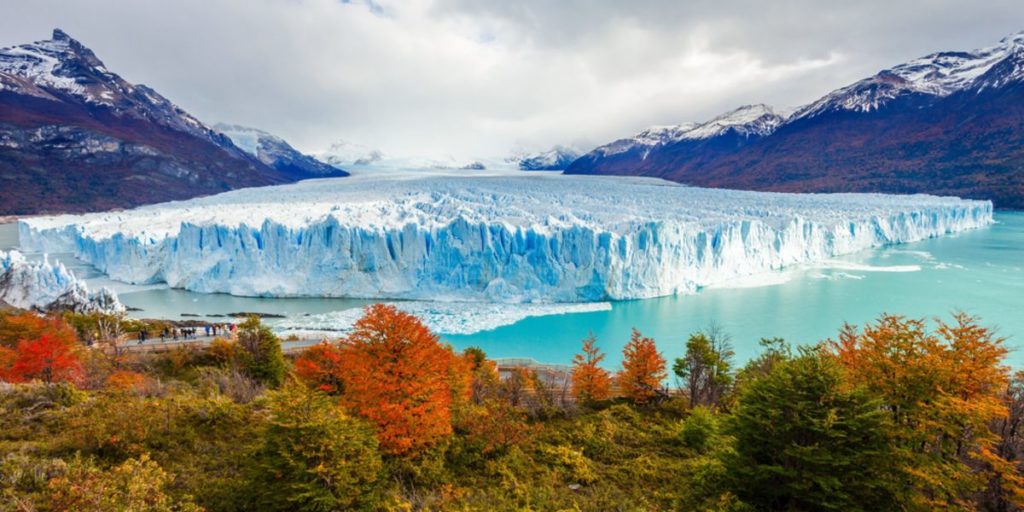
(45,286)
(487,236)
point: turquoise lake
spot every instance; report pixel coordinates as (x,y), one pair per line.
(980,272)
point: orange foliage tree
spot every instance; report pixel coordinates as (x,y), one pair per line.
(36,347)
(943,391)
(590,382)
(27,326)
(643,369)
(125,380)
(48,358)
(320,366)
(398,375)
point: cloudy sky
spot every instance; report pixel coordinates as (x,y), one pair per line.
(479,78)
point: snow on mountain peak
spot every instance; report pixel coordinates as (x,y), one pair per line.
(755,120)
(759,120)
(51,63)
(555,159)
(938,74)
(250,140)
(274,151)
(62,69)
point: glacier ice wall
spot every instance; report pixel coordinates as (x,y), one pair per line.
(45,286)
(491,237)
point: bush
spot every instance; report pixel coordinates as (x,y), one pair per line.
(698,430)
(134,485)
(314,456)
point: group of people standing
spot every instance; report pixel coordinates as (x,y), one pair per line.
(188,333)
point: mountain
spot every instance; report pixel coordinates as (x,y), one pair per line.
(689,145)
(74,136)
(344,154)
(554,159)
(948,123)
(275,152)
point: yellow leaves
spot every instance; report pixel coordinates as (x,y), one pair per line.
(590,382)
(643,369)
(943,390)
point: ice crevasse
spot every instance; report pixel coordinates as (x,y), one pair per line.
(498,238)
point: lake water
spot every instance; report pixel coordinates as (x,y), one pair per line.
(979,272)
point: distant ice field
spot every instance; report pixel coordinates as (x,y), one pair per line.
(505,237)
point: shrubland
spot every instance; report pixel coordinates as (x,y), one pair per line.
(900,414)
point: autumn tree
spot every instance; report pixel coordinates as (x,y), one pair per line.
(49,358)
(1004,492)
(25,326)
(315,456)
(486,381)
(590,382)
(943,392)
(806,440)
(262,358)
(399,376)
(35,347)
(643,369)
(706,367)
(320,366)
(125,380)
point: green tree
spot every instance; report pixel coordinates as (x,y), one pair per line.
(706,368)
(805,440)
(315,457)
(773,352)
(698,429)
(262,358)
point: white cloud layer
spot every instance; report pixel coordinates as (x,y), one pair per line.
(477,78)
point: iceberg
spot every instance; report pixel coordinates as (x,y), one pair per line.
(44,286)
(440,317)
(487,236)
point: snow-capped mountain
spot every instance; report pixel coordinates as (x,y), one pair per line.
(275,151)
(344,154)
(62,68)
(44,286)
(554,159)
(75,136)
(933,76)
(944,123)
(747,121)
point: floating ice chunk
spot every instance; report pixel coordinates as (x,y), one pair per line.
(442,317)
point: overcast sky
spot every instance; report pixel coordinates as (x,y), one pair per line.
(478,78)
